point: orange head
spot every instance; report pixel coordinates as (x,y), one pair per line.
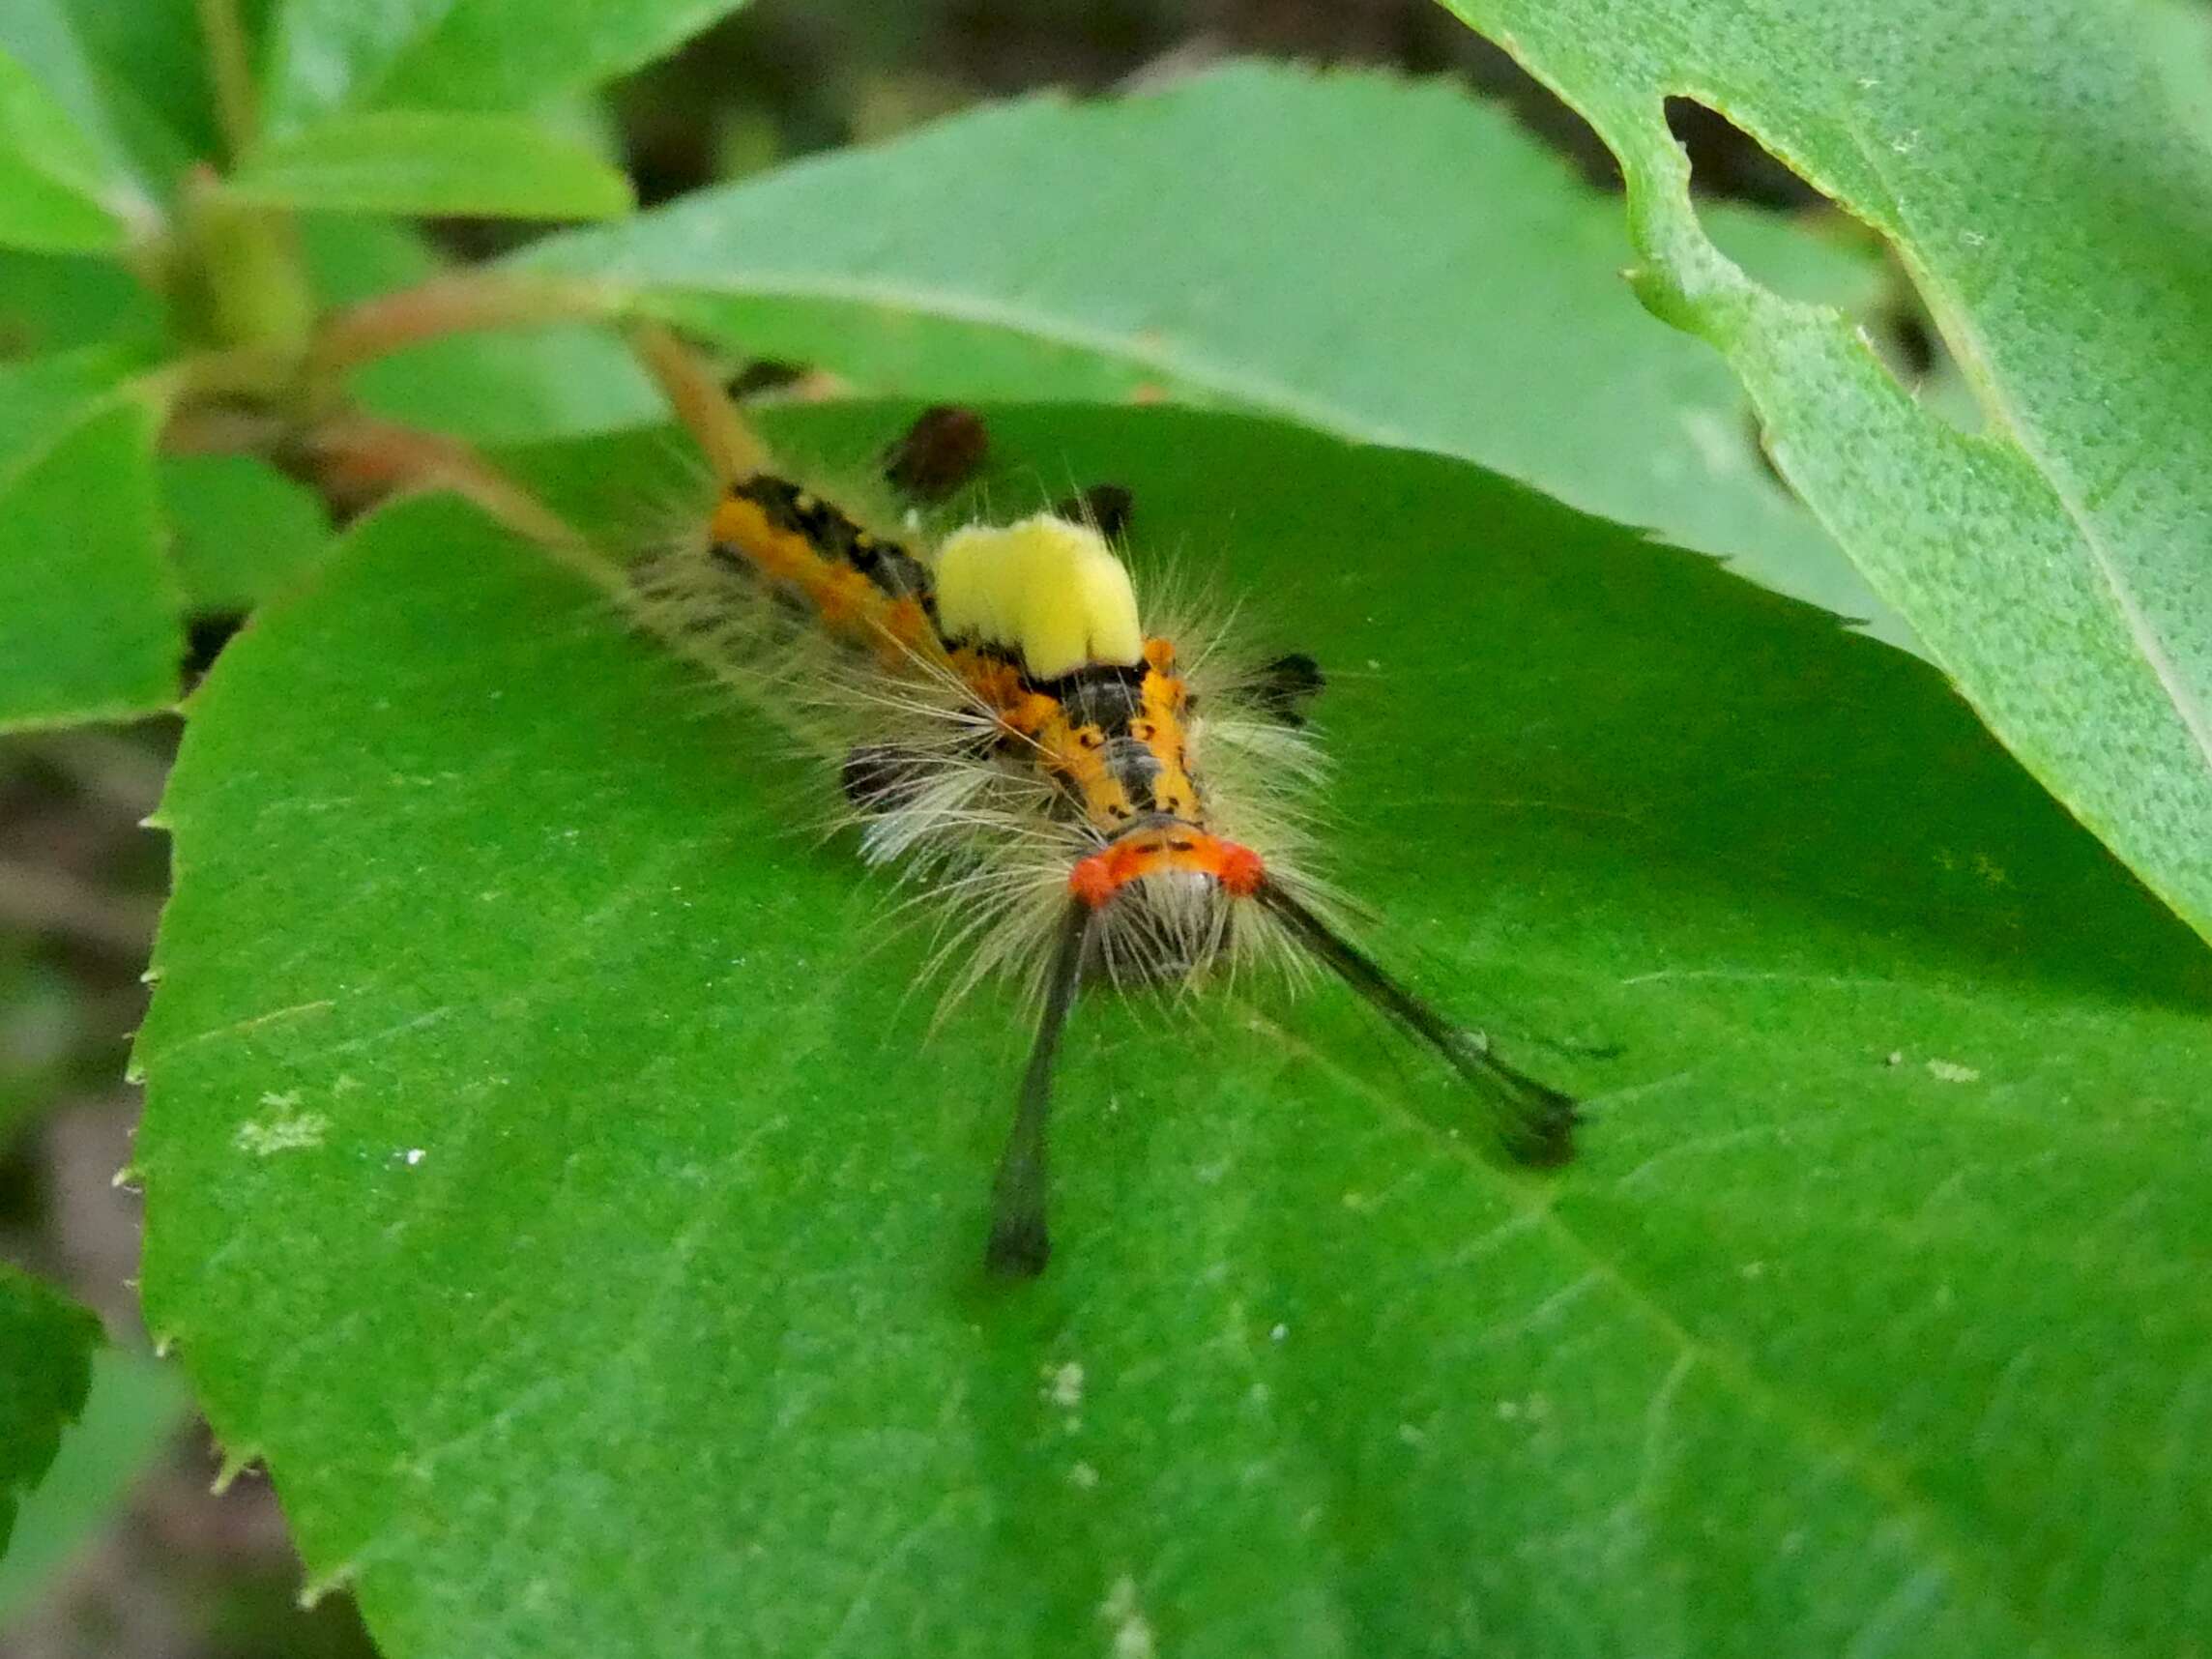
(1160,847)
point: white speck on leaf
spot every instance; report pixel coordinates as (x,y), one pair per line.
(284,1131)
(413,1155)
(1951,1072)
(1132,1630)
(1081,1476)
(1066,1385)
(1278,1333)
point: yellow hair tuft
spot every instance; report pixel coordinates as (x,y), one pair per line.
(1044,588)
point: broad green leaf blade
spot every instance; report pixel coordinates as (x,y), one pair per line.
(135,1407)
(89,608)
(49,302)
(507,386)
(51,178)
(63,121)
(2054,211)
(431,162)
(241,530)
(576,1211)
(42,396)
(1388,261)
(45,1366)
(329,56)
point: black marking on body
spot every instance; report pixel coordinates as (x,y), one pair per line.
(1110,697)
(825,528)
(1136,769)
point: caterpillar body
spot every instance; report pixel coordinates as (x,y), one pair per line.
(1085,800)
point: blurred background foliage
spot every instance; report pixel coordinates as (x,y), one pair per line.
(124,1551)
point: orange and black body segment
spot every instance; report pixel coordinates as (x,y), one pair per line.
(1109,726)
(864,589)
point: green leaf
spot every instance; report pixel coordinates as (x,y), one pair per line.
(550,1168)
(243,530)
(463,54)
(89,622)
(505,386)
(132,1411)
(51,179)
(2052,206)
(432,162)
(42,395)
(49,302)
(151,56)
(1388,261)
(46,1365)
(60,117)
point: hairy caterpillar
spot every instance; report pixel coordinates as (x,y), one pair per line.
(1085,800)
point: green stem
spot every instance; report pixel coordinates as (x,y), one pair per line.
(239,277)
(231,69)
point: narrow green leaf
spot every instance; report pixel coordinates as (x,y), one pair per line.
(1388,261)
(2052,209)
(431,162)
(463,54)
(153,55)
(89,616)
(135,1408)
(59,113)
(45,1366)
(579,1214)
(241,530)
(51,179)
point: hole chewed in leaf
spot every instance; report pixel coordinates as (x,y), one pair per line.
(1727,161)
